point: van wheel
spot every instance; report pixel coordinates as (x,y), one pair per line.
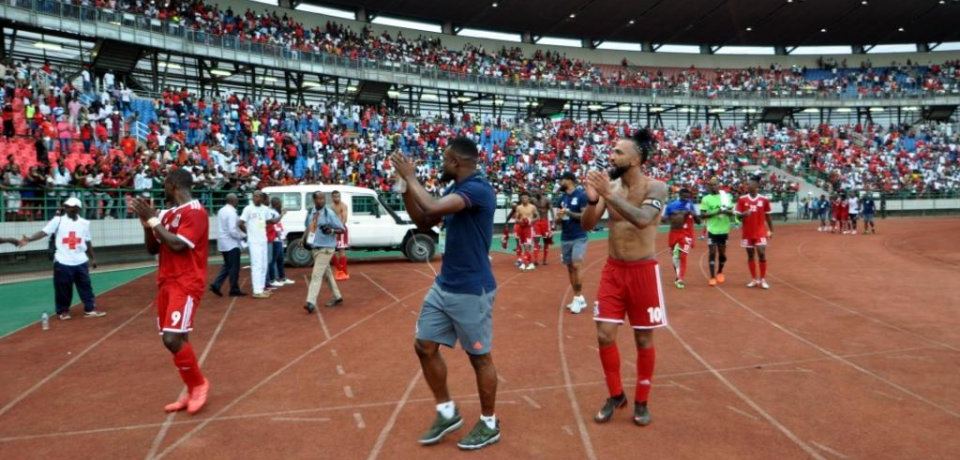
(297,255)
(419,248)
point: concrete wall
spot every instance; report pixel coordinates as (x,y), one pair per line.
(608,56)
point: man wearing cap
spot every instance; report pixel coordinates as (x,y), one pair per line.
(73,258)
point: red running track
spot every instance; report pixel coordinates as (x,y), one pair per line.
(854,353)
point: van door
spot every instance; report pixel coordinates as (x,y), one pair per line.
(367,221)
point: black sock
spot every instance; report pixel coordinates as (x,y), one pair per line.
(723,260)
(712,267)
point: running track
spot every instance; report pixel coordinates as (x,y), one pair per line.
(854,353)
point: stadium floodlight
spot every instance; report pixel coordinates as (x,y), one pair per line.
(876,109)
(48,46)
(269,79)
(312,84)
(351,88)
(221,72)
(750,110)
(393,94)
(658,109)
(532,103)
(499,101)
(718,110)
(170,65)
(595,107)
(811,110)
(624,108)
(429,97)
(844,110)
(464,98)
(327,11)
(911,109)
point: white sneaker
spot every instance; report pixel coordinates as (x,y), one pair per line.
(763,284)
(277,284)
(577,305)
(530,267)
(753,284)
(289,281)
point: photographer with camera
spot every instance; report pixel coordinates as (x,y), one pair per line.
(322,226)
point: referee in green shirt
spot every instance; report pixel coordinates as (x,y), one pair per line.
(717,209)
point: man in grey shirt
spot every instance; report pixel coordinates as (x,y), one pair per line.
(229,240)
(322,226)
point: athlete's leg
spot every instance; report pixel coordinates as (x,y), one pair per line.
(434,369)
(486,382)
(712,263)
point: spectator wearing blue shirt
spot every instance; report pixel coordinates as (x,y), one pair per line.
(573,238)
(459,306)
(322,225)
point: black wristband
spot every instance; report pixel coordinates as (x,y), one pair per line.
(593,203)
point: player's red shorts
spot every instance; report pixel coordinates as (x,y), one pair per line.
(524,233)
(631,289)
(843,216)
(541,229)
(343,239)
(753,242)
(175,309)
(681,238)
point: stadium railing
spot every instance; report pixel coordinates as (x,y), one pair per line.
(139,29)
(37,204)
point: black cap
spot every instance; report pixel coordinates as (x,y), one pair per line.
(568,175)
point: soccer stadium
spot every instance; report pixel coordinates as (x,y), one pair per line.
(371,229)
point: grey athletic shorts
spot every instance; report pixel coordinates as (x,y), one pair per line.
(446,317)
(573,250)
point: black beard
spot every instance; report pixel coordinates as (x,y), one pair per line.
(618,172)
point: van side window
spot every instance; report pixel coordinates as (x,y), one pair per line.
(291,201)
(364,205)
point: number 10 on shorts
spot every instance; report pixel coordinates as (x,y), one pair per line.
(655,314)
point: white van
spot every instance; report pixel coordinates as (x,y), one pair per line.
(372,224)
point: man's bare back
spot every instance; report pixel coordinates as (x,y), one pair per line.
(626,241)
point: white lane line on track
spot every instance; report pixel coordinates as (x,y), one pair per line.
(64,366)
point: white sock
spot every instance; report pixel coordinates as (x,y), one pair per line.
(491,421)
(447,409)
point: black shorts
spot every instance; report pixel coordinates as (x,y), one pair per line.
(714,239)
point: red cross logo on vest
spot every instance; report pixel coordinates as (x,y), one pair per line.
(72,241)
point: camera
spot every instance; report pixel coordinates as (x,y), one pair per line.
(326,229)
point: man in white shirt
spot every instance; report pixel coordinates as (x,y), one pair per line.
(72,260)
(854,203)
(253,222)
(229,241)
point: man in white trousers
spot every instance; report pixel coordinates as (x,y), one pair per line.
(253,221)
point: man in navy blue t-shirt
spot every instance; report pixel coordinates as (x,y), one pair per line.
(868,209)
(573,238)
(459,306)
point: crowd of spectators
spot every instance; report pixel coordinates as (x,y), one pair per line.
(80,134)
(268,28)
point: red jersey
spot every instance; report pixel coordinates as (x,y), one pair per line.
(188,268)
(754,224)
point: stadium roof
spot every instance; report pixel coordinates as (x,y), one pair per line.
(786,23)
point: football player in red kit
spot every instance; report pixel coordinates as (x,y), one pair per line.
(754,208)
(180,236)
